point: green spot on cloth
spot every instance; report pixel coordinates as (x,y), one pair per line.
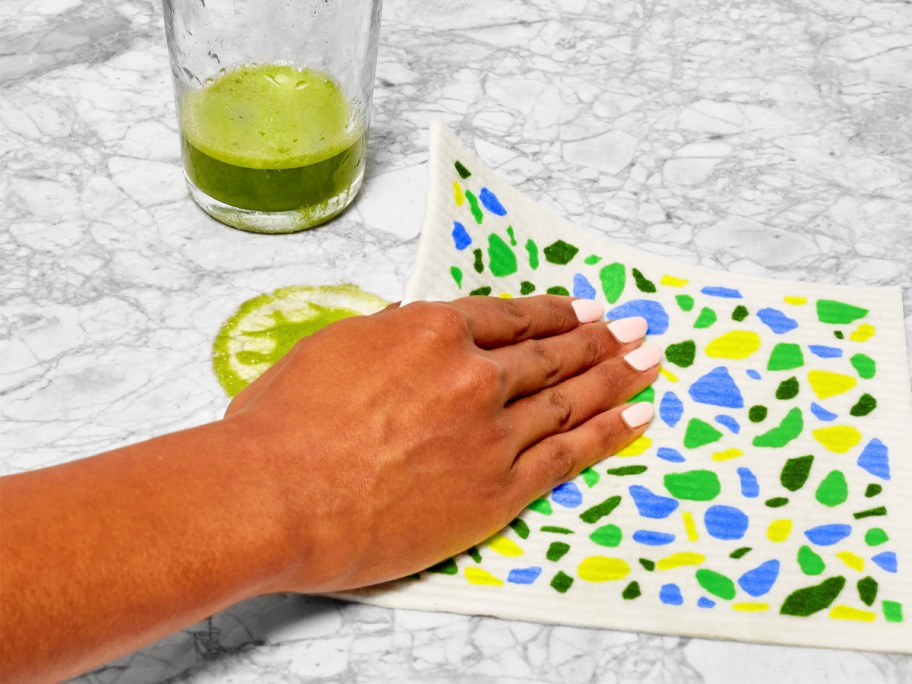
(892,611)
(788,389)
(757,413)
(557,550)
(592,259)
(542,506)
(777,502)
(740,313)
(562,582)
(647,564)
(867,590)
(864,365)
(833,489)
(795,472)
(456,272)
(558,290)
(716,583)
(532,251)
(461,170)
(693,485)
(520,527)
(789,429)
(681,354)
(560,252)
(876,536)
(555,530)
(838,313)
(627,470)
(599,511)
(590,477)
(642,282)
(647,395)
(706,318)
(474,554)
(607,535)
(473,206)
(613,277)
(873,489)
(631,591)
(700,433)
(810,600)
(686,302)
(785,356)
(865,404)
(870,513)
(446,567)
(525,288)
(512,236)
(809,562)
(740,553)
(478,265)
(480,292)
(503,260)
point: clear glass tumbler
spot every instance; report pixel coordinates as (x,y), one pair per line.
(273,100)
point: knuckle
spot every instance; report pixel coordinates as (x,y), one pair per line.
(482,378)
(547,360)
(561,409)
(519,315)
(442,321)
(560,460)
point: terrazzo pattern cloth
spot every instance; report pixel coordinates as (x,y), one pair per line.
(768,502)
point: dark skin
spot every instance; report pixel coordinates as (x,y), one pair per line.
(451,416)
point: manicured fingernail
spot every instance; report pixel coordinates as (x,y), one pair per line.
(645,357)
(626,330)
(587,310)
(638,414)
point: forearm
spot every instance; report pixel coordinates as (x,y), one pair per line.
(101,556)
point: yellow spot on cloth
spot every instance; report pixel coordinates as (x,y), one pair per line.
(839,439)
(505,295)
(479,576)
(668,375)
(849,613)
(863,332)
(727,455)
(750,607)
(795,301)
(504,546)
(457,194)
(603,569)
(637,447)
(850,559)
(779,530)
(689,526)
(737,344)
(677,560)
(671,281)
(826,384)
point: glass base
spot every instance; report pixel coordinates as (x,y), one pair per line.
(276,222)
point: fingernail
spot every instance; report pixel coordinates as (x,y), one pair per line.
(645,357)
(638,414)
(627,330)
(587,310)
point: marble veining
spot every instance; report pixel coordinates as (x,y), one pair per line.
(761,137)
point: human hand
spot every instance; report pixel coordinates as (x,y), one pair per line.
(396,440)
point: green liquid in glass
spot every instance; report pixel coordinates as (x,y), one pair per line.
(273,138)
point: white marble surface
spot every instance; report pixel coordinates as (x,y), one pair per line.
(762,137)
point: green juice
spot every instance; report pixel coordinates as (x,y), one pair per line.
(273,138)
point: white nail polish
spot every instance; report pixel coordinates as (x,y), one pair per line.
(644,358)
(587,310)
(627,330)
(638,414)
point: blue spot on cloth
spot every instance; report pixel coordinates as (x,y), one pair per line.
(827,535)
(704,602)
(670,595)
(653,312)
(821,413)
(524,575)
(725,292)
(875,459)
(670,455)
(652,505)
(582,288)
(729,422)
(825,352)
(749,486)
(651,538)
(760,580)
(751,373)
(491,203)
(725,522)
(567,495)
(460,237)
(777,321)
(886,560)
(717,388)
(671,409)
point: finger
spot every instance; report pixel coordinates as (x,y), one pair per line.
(495,322)
(561,457)
(574,401)
(533,365)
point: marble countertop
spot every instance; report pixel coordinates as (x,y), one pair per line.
(762,137)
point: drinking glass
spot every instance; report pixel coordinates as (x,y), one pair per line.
(273,102)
